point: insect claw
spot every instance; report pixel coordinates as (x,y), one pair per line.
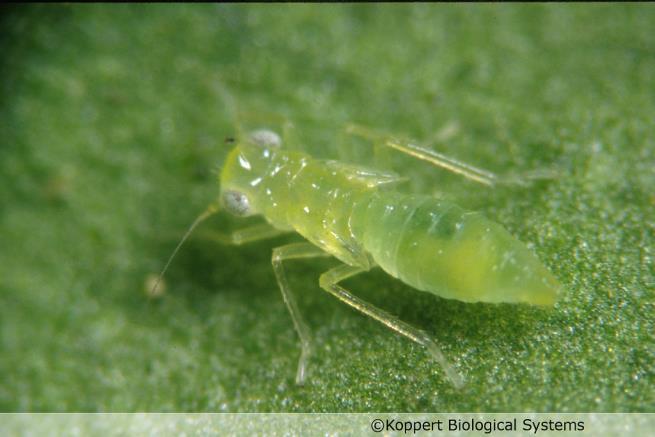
(527,178)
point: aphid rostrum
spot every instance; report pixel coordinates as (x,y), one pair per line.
(356,215)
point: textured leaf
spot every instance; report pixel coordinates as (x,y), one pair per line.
(112,127)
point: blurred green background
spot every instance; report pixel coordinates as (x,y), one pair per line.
(112,123)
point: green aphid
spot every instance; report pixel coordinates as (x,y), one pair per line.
(354,214)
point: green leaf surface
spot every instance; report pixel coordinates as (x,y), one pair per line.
(112,127)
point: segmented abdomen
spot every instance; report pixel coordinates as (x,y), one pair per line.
(393,224)
(436,246)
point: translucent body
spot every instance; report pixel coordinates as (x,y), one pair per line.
(351,213)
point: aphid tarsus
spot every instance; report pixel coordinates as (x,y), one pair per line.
(351,213)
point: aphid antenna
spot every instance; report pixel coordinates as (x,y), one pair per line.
(211,210)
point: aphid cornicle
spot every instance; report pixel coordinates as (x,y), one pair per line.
(354,214)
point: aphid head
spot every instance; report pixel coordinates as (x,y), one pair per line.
(264,138)
(236,202)
(244,169)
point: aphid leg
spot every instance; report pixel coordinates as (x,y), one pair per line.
(242,236)
(280,254)
(250,234)
(346,152)
(468,171)
(329,281)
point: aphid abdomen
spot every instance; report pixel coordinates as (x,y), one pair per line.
(379,225)
(438,247)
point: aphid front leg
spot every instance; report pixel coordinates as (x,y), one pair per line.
(246,235)
(329,281)
(250,234)
(295,251)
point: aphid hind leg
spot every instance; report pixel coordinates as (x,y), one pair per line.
(468,171)
(280,254)
(329,281)
(381,157)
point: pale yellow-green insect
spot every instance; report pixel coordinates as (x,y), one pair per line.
(354,214)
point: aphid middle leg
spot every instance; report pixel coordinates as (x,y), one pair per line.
(295,251)
(329,281)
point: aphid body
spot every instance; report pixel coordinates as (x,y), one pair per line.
(350,213)
(356,215)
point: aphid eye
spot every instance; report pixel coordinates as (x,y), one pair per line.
(236,203)
(265,138)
